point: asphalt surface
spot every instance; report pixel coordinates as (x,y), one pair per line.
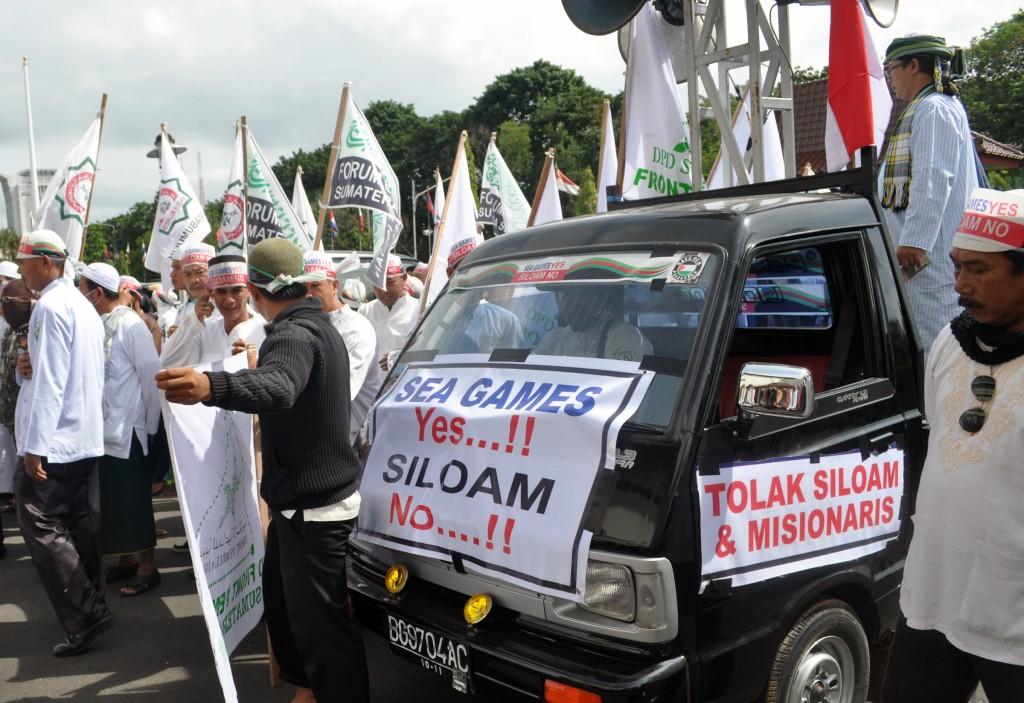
(158,649)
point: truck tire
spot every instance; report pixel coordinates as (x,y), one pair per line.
(823,659)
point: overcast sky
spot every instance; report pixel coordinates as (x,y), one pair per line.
(199,65)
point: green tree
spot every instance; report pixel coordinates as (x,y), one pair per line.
(95,245)
(9,241)
(516,147)
(585,203)
(993,89)
(806,74)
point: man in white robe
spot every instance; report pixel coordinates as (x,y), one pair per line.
(194,264)
(393,314)
(59,433)
(365,376)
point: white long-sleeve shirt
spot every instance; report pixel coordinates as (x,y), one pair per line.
(393,326)
(60,409)
(943,175)
(200,342)
(964,574)
(365,376)
(131,402)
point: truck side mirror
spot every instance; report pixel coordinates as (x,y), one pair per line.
(778,390)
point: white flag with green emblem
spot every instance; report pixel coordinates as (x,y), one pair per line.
(180,220)
(63,206)
(657,149)
(502,203)
(269,213)
(361,177)
(231,233)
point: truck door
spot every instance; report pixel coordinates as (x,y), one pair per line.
(784,511)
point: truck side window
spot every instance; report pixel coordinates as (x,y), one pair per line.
(804,307)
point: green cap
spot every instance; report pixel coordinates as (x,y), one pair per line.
(274,258)
(919,45)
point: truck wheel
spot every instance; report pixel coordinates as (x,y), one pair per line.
(823,659)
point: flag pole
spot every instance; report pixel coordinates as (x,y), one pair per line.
(549,158)
(439,234)
(331,158)
(244,124)
(622,138)
(96,168)
(606,111)
(34,175)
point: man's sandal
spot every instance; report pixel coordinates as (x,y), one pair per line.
(140,584)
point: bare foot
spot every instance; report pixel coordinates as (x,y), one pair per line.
(304,695)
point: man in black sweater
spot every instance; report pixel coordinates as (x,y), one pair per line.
(300,389)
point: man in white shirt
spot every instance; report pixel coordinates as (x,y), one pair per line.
(591,325)
(393,314)
(963,584)
(365,376)
(131,413)
(195,267)
(202,338)
(59,432)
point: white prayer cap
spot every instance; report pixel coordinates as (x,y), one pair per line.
(354,292)
(319,264)
(197,254)
(992,222)
(461,248)
(103,275)
(131,282)
(395,267)
(9,269)
(42,242)
(227,271)
(348,264)
(414,286)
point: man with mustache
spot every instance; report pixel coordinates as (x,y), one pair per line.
(963,585)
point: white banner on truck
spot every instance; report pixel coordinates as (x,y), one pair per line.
(492,464)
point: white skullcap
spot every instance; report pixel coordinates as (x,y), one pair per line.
(9,269)
(318,264)
(42,242)
(103,275)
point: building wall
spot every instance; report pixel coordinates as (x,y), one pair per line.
(17,190)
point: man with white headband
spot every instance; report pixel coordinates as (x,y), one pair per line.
(59,432)
(200,339)
(365,376)
(963,585)
(394,313)
(300,388)
(131,414)
(195,267)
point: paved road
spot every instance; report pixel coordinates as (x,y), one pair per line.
(158,650)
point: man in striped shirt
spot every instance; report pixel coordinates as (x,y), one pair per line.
(928,172)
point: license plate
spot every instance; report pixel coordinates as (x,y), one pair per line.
(435,652)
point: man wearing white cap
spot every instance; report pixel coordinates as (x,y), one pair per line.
(8,271)
(365,376)
(131,413)
(201,339)
(59,432)
(195,267)
(963,585)
(393,314)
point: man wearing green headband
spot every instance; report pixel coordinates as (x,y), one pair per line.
(927,174)
(300,389)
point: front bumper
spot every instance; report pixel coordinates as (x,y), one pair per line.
(512,656)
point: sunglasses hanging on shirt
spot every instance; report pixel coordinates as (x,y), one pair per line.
(983,388)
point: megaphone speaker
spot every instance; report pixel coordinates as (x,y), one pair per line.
(601,16)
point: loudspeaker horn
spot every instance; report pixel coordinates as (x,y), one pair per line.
(601,16)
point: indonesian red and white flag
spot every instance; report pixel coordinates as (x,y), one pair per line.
(859,103)
(565,184)
(63,206)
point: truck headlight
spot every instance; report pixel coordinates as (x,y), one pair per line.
(610,591)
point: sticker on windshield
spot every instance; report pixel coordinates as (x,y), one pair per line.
(688,268)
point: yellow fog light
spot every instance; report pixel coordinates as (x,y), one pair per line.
(477,608)
(396,578)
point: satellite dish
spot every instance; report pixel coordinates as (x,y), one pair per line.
(601,16)
(883,12)
(674,40)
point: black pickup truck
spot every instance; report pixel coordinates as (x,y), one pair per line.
(781,350)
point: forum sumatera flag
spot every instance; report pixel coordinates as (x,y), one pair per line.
(268,211)
(859,102)
(657,149)
(180,220)
(361,177)
(502,203)
(231,233)
(63,206)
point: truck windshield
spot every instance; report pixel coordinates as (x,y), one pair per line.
(629,306)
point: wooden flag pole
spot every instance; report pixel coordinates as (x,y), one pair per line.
(244,123)
(622,139)
(331,159)
(549,158)
(605,114)
(95,172)
(439,234)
